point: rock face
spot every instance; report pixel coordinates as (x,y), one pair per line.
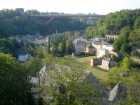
(118,93)
(113,93)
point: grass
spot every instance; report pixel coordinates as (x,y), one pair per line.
(101,75)
(83,63)
(85,60)
(71,62)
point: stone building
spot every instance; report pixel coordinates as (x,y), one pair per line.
(94,62)
(111,37)
(107,63)
(90,50)
(80,45)
(102,47)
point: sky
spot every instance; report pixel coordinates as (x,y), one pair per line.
(72,6)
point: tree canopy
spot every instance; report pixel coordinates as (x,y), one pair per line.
(14,88)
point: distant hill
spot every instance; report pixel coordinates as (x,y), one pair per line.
(18,22)
(114,22)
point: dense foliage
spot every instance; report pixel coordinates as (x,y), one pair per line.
(14,88)
(7,45)
(114,22)
(14,47)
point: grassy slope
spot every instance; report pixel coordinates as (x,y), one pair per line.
(83,63)
(100,74)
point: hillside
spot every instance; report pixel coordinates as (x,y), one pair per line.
(18,22)
(125,24)
(113,23)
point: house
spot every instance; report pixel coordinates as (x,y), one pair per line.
(23,57)
(107,63)
(90,50)
(80,45)
(101,52)
(41,40)
(108,47)
(102,47)
(19,10)
(95,62)
(111,37)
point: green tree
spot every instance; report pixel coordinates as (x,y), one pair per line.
(122,43)
(116,74)
(91,32)
(7,46)
(137,22)
(134,37)
(14,88)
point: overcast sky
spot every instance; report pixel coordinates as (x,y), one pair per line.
(72,6)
